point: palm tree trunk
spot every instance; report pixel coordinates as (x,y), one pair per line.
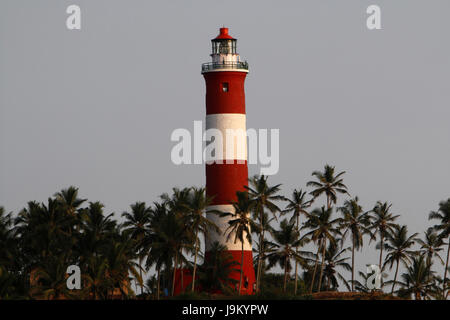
(242,266)
(140,273)
(353,264)
(296,271)
(285,274)
(262,257)
(315,268)
(381,249)
(446,267)
(296,262)
(261,240)
(323,264)
(417,295)
(195,261)
(174,272)
(157,284)
(182,276)
(395,277)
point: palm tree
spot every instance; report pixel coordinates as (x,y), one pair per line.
(269,247)
(96,280)
(297,205)
(50,280)
(7,239)
(328,183)
(170,236)
(121,262)
(98,230)
(286,239)
(155,245)
(239,224)
(431,245)
(264,196)
(198,201)
(334,260)
(98,235)
(215,274)
(419,279)
(10,259)
(68,200)
(135,224)
(398,245)
(383,223)
(178,203)
(443,215)
(322,229)
(262,249)
(45,232)
(361,286)
(357,223)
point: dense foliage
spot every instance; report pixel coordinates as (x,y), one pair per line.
(154,241)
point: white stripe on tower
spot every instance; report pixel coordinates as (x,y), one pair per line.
(232,127)
(233,130)
(223,225)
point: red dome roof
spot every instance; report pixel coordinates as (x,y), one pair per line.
(224,35)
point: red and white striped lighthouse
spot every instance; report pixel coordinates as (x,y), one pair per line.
(225,109)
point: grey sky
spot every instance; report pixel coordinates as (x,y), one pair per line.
(95,108)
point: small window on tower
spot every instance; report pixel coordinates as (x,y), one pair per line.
(225,87)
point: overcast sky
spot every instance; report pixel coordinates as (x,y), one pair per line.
(95,108)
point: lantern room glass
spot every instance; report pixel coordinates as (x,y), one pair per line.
(224,46)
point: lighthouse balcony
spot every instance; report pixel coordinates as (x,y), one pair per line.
(224,66)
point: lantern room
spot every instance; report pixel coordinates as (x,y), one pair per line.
(223,43)
(224,55)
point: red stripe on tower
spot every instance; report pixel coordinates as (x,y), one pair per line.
(225,109)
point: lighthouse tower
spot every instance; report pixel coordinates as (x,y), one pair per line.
(225,109)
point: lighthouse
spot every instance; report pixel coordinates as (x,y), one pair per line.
(225,109)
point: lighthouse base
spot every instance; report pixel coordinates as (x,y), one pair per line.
(183,277)
(248,276)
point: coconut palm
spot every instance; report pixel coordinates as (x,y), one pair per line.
(155,246)
(356,223)
(398,246)
(10,259)
(264,248)
(418,279)
(49,279)
(239,225)
(443,228)
(135,225)
(333,260)
(322,229)
(44,231)
(178,203)
(98,230)
(7,239)
(98,234)
(170,237)
(269,247)
(286,240)
(121,258)
(382,221)
(297,205)
(198,201)
(215,274)
(431,245)
(264,196)
(361,286)
(328,184)
(68,200)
